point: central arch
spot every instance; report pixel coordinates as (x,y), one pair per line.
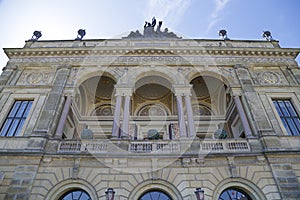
(155,185)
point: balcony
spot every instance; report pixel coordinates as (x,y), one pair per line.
(154,147)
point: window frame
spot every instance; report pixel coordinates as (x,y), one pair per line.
(287,126)
(292,97)
(8,104)
(235,189)
(153,191)
(64,195)
(16,118)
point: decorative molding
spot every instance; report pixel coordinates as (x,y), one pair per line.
(141,60)
(286,159)
(268,77)
(33,77)
(93,51)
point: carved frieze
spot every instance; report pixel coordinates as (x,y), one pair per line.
(269,78)
(35,77)
(138,60)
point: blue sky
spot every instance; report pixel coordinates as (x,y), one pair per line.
(199,19)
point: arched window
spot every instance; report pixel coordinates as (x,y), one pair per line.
(76,194)
(234,194)
(155,195)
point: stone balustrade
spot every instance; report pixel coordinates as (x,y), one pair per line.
(101,146)
(225,145)
(148,147)
(82,146)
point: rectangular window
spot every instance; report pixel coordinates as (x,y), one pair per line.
(16,118)
(288,116)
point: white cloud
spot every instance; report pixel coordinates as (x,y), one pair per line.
(215,15)
(170,11)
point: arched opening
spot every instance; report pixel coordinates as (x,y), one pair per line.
(209,95)
(72,189)
(154,93)
(154,108)
(91,113)
(98,95)
(213,104)
(234,194)
(209,103)
(155,187)
(75,194)
(238,188)
(155,195)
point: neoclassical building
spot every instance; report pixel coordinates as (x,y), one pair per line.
(150,116)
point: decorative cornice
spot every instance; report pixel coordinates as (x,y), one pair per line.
(134,60)
(121,51)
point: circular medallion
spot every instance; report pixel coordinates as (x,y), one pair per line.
(269,77)
(35,77)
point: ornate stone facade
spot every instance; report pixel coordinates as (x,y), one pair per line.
(140,114)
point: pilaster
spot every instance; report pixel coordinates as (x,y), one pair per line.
(50,111)
(256,108)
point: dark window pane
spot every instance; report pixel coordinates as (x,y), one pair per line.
(286,126)
(19,127)
(6,127)
(288,116)
(13,127)
(283,108)
(22,109)
(290,108)
(155,195)
(28,108)
(232,194)
(292,126)
(277,108)
(15,108)
(297,123)
(76,195)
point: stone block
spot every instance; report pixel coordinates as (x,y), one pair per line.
(17,189)
(10,196)
(26,182)
(24,196)
(295,195)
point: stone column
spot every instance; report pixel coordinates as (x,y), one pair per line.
(126,114)
(181,121)
(242,115)
(189,110)
(116,123)
(63,117)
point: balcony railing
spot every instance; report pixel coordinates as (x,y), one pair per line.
(106,146)
(82,146)
(148,147)
(225,146)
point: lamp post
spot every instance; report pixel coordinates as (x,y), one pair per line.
(110,194)
(199,194)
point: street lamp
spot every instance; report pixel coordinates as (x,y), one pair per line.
(199,194)
(110,194)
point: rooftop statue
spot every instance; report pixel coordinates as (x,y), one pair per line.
(149,31)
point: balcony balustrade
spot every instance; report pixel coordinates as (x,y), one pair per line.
(172,146)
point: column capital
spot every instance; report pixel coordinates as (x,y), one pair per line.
(123,90)
(236,91)
(182,89)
